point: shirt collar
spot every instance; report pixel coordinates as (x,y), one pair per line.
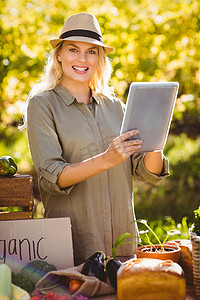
(68,98)
(95,96)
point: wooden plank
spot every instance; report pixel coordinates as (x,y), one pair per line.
(18,215)
(5,202)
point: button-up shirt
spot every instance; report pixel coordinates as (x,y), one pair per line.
(63,131)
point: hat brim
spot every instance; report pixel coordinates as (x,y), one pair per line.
(55,42)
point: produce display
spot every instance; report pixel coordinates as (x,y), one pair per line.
(28,278)
(146,279)
(7,166)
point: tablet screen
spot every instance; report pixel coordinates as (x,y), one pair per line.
(149,109)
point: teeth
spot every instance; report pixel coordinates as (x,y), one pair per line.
(80,69)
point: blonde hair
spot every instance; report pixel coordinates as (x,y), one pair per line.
(53,74)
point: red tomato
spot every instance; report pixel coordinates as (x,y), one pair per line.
(74,285)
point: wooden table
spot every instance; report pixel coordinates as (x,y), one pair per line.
(190,295)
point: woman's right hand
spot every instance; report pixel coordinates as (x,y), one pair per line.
(121,148)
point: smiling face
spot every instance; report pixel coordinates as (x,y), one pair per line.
(79,61)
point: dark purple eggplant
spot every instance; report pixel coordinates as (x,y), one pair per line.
(112,267)
(94,266)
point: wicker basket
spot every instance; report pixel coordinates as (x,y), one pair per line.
(195,240)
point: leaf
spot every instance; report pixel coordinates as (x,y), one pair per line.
(120,240)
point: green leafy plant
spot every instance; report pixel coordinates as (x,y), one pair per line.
(121,240)
(196,224)
(171,232)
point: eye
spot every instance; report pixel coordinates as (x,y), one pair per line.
(73,49)
(91,52)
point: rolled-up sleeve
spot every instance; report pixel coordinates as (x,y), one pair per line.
(45,146)
(140,173)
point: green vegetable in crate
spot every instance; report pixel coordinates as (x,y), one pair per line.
(31,274)
(5,282)
(7,166)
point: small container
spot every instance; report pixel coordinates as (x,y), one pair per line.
(172,252)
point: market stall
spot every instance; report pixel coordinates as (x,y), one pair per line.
(40,251)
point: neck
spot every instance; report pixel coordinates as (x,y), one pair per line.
(80,91)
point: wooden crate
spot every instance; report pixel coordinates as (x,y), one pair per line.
(16,191)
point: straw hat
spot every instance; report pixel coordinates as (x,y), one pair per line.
(81,27)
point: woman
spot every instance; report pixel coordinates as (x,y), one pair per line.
(84,168)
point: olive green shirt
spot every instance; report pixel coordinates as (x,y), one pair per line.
(63,131)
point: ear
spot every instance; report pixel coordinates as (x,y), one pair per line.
(59,58)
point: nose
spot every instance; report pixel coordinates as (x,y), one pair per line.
(82,56)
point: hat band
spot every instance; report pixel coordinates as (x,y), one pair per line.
(81,32)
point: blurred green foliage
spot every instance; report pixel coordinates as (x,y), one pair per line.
(178,195)
(153,39)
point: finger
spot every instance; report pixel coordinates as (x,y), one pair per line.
(128,134)
(130,151)
(130,146)
(130,143)
(124,146)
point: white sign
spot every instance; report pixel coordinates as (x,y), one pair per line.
(23,241)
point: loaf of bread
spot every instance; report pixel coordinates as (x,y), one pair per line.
(150,279)
(185,259)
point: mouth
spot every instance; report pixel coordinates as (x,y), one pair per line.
(80,69)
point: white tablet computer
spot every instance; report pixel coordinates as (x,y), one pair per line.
(149,109)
